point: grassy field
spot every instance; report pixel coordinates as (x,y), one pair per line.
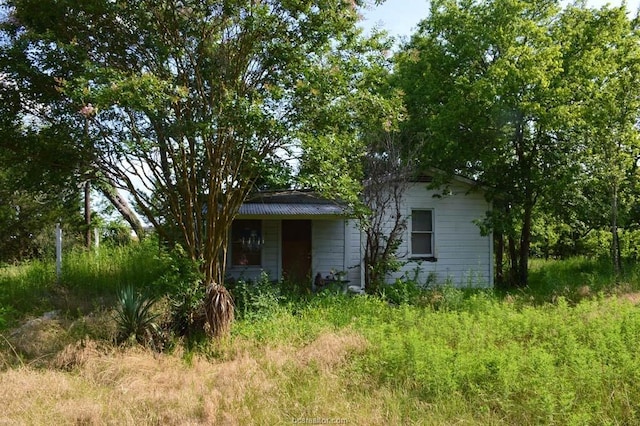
(563,354)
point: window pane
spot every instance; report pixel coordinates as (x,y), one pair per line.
(246,243)
(421,243)
(421,220)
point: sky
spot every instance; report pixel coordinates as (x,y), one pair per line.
(400,17)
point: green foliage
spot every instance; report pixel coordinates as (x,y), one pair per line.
(579,278)
(39,161)
(293,289)
(542,355)
(89,280)
(257,300)
(26,289)
(237,87)
(182,281)
(186,308)
(28,214)
(116,233)
(6,315)
(338,136)
(103,272)
(380,253)
(135,317)
(489,361)
(557,239)
(401,292)
(537,102)
(553,364)
(486,361)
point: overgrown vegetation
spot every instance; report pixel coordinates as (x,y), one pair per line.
(538,101)
(89,280)
(135,317)
(562,351)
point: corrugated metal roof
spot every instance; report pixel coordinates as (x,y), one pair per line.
(290,209)
(290,203)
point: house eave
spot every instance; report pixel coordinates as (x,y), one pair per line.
(292,216)
(292,205)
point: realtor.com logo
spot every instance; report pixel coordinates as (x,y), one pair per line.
(319,421)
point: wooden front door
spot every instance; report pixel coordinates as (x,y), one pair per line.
(296,250)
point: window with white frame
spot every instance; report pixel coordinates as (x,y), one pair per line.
(422,233)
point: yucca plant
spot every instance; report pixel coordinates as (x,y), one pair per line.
(134,316)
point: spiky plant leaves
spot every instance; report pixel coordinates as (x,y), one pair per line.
(220,310)
(134,316)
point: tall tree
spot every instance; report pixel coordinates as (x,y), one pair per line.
(34,186)
(371,170)
(611,66)
(51,138)
(190,97)
(491,88)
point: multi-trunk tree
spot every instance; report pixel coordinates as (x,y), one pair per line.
(185,100)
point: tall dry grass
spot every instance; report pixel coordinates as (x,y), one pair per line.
(250,385)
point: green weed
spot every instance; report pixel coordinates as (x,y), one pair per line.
(105,271)
(26,290)
(563,351)
(182,282)
(487,361)
(577,278)
(257,300)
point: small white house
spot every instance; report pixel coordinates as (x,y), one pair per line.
(297,235)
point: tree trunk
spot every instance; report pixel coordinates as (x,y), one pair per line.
(122,205)
(615,243)
(499,253)
(525,243)
(371,255)
(218,303)
(513,262)
(87,214)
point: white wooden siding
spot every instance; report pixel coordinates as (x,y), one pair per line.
(354,253)
(328,243)
(463,257)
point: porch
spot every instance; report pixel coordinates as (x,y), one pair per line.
(294,236)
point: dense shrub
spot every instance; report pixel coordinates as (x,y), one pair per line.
(402,291)
(116,233)
(257,299)
(182,282)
